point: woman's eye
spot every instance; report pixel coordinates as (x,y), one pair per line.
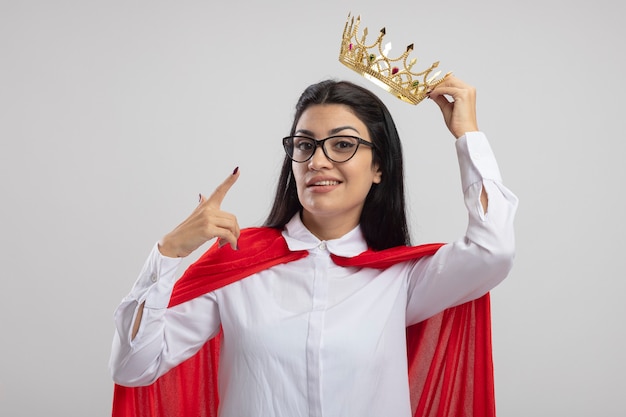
(343,145)
(304,146)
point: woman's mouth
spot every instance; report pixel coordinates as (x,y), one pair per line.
(324,183)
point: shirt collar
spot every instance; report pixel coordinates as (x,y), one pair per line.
(298,237)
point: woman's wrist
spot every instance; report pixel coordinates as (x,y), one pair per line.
(166,248)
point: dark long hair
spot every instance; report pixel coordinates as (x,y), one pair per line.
(383,218)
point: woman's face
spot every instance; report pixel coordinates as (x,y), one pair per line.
(332,194)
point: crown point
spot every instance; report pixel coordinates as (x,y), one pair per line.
(383,31)
(409,48)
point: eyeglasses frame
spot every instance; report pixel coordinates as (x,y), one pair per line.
(320,143)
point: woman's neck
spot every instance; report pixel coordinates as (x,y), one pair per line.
(327,228)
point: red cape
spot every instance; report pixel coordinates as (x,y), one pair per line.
(449,354)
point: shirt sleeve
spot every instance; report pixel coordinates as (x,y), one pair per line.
(471,266)
(166,336)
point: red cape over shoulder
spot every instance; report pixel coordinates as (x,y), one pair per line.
(449,354)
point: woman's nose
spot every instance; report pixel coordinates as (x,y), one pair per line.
(319,160)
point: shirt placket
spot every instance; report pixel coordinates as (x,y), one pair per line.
(321,262)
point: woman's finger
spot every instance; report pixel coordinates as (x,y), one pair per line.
(220,192)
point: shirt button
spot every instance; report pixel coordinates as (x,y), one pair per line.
(153,277)
(322,246)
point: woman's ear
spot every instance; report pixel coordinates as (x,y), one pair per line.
(378,174)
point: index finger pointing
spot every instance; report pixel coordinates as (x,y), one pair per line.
(220,192)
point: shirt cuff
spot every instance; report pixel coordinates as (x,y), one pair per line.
(156,280)
(476,159)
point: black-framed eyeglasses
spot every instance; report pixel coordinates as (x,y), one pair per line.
(336,148)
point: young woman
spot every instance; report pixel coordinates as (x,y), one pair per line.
(304,333)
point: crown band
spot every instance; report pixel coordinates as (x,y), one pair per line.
(393,74)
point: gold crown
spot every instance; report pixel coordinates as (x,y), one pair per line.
(402,82)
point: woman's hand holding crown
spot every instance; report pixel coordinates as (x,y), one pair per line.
(460,113)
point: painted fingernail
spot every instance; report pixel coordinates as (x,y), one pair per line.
(235,170)
(221,242)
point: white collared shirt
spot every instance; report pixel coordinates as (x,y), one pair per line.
(310,338)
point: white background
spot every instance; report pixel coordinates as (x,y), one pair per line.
(114,115)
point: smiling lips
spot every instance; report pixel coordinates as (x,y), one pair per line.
(323,183)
